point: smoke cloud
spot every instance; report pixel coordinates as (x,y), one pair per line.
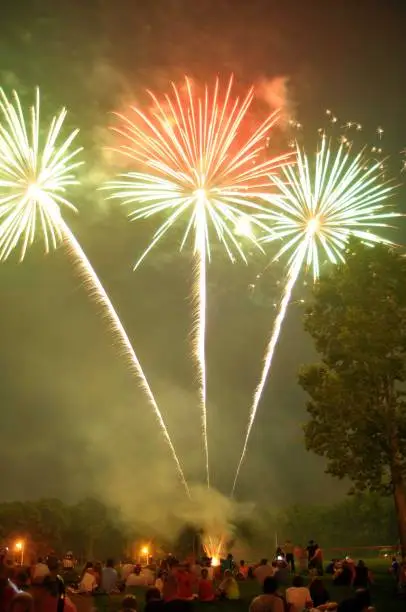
(277,93)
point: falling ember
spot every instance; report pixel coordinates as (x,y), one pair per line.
(320,206)
(194,163)
(34,177)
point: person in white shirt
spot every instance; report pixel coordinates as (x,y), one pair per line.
(135,578)
(39,571)
(126,570)
(298,596)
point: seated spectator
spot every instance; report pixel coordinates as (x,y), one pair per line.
(88,582)
(153,601)
(126,570)
(11,599)
(282,574)
(228,588)
(135,579)
(185,583)
(39,571)
(343,575)
(242,573)
(402,578)
(270,601)
(318,593)
(361,602)
(263,570)
(22,602)
(298,596)
(210,569)
(148,576)
(205,587)
(109,577)
(98,569)
(129,604)
(22,580)
(170,586)
(159,582)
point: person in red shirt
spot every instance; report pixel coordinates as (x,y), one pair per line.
(185,583)
(205,586)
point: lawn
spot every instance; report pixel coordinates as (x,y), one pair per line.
(382,594)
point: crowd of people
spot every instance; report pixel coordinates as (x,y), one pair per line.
(170,584)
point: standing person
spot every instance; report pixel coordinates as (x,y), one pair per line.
(318,560)
(269,601)
(362,576)
(290,556)
(109,577)
(310,549)
(315,558)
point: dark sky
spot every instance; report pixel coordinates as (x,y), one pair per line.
(73,420)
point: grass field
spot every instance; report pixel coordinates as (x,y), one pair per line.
(382,594)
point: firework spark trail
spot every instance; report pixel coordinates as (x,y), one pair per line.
(270,350)
(200,295)
(33,180)
(195,163)
(95,287)
(320,206)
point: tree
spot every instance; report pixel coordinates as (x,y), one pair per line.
(357,393)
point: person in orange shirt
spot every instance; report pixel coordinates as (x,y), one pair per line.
(242,573)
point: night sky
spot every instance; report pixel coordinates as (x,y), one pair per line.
(73,421)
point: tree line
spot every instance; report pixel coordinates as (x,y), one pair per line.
(93,530)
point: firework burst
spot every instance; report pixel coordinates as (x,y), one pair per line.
(194,164)
(321,204)
(35,174)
